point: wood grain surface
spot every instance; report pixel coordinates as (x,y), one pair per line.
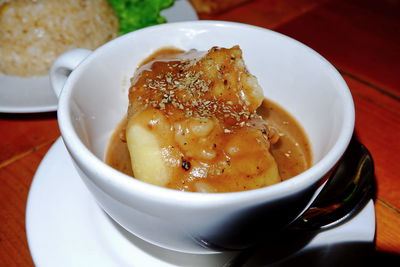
(361,38)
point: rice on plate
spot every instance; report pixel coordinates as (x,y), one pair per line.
(34,33)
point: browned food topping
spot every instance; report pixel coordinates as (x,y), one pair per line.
(202,108)
(183,87)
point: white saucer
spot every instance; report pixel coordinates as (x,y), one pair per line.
(34,94)
(65,226)
(26,94)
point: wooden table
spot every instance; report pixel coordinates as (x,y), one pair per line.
(360,37)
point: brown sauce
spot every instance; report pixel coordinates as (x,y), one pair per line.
(291,152)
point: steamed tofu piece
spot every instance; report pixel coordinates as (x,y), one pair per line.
(193,126)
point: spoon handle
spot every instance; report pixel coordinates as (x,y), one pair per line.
(349,188)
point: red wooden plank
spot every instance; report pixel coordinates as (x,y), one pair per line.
(378,127)
(22,132)
(358,37)
(15,180)
(266,13)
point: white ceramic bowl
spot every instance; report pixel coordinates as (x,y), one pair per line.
(94,100)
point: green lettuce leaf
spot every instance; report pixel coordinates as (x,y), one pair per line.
(137,14)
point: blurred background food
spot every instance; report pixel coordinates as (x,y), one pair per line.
(34,32)
(214,6)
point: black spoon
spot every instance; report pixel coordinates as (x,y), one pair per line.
(349,188)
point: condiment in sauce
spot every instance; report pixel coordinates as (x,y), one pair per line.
(292,152)
(198,122)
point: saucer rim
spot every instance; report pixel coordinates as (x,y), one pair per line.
(58,147)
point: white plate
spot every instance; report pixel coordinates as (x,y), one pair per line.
(65,226)
(34,94)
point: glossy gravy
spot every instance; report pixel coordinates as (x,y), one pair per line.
(291,152)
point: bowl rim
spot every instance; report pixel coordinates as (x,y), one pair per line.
(124,183)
